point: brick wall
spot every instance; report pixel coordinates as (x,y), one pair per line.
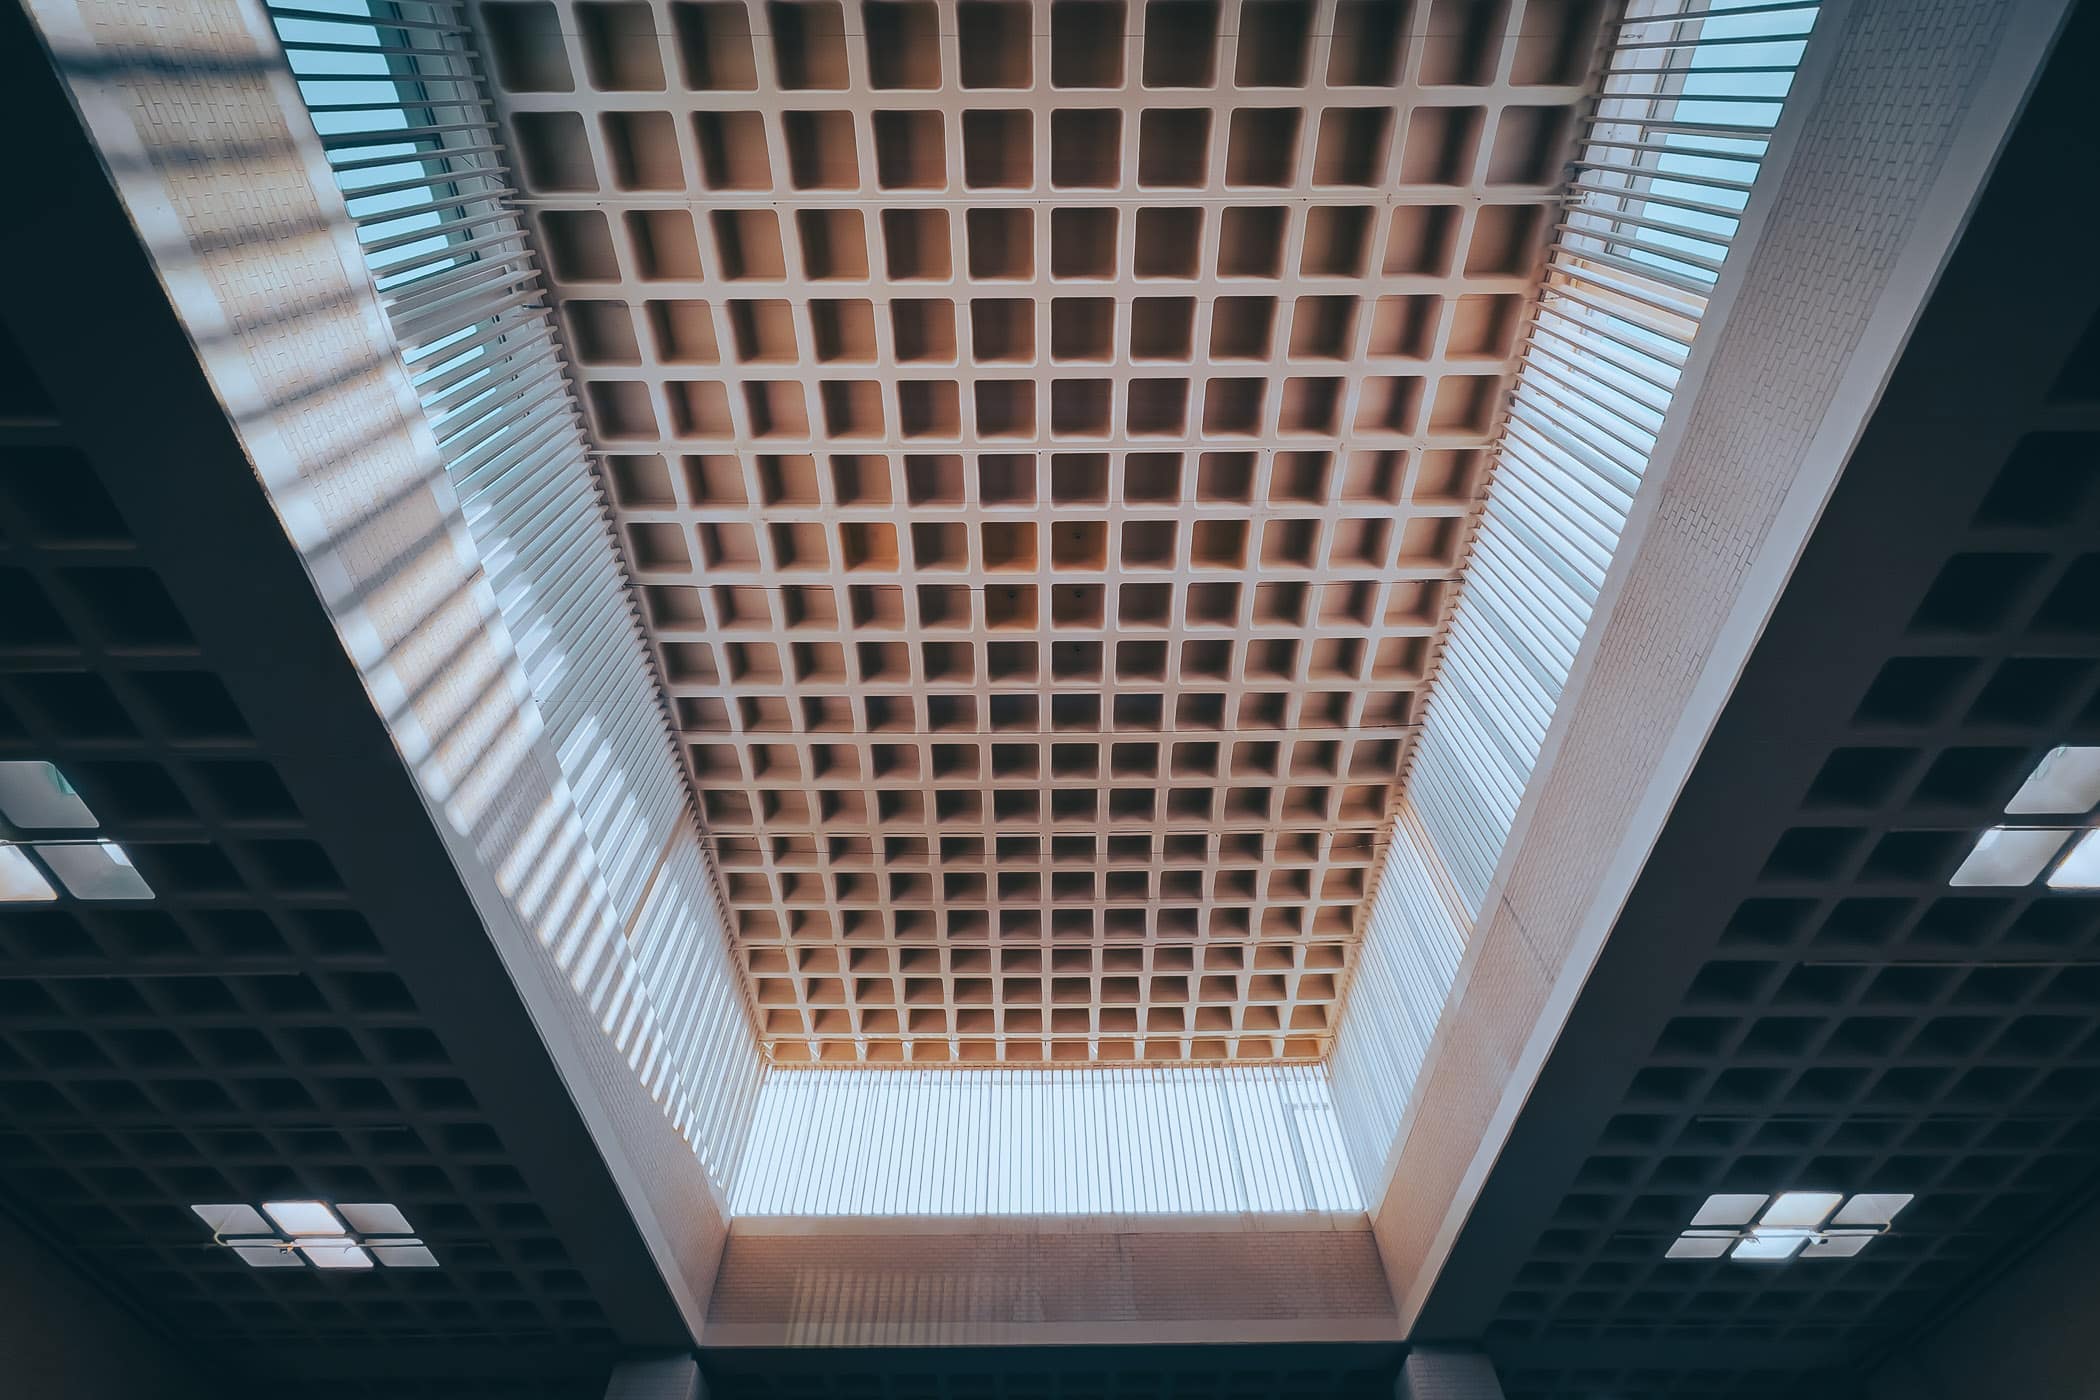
(1050,1281)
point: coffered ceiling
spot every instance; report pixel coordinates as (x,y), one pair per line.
(1045,436)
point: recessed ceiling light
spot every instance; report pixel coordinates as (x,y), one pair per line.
(2009,855)
(1729,1210)
(335,1253)
(20,881)
(233,1220)
(94,869)
(1794,1224)
(1870,1210)
(375,1218)
(1836,1246)
(304,1217)
(2080,869)
(1800,1210)
(2066,780)
(315,1233)
(35,795)
(1770,1245)
(1701,1244)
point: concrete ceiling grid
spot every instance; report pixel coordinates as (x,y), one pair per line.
(1045,436)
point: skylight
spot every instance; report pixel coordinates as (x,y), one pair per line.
(1804,1224)
(2065,785)
(314,1234)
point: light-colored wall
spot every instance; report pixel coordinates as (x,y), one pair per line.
(1898,111)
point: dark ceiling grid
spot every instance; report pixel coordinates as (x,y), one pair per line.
(1795,997)
(1352,1371)
(239,1037)
(1862,1026)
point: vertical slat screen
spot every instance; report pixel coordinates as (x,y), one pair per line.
(1127,1140)
(1414,937)
(1689,95)
(399,101)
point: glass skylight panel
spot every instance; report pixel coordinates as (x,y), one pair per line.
(94,869)
(304,1217)
(1729,1210)
(2066,780)
(2009,855)
(272,1255)
(35,795)
(1800,1210)
(20,880)
(2080,869)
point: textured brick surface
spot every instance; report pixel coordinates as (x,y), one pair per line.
(1076,1283)
(1855,223)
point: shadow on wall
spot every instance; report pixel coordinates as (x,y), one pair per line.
(462,651)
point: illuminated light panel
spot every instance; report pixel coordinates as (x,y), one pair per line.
(304,1217)
(233,1219)
(20,880)
(2007,855)
(1870,1210)
(2080,869)
(94,869)
(1836,1246)
(1769,1246)
(1793,1225)
(1799,1210)
(2066,780)
(1701,1244)
(299,1234)
(375,1218)
(1729,1210)
(337,1253)
(35,795)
